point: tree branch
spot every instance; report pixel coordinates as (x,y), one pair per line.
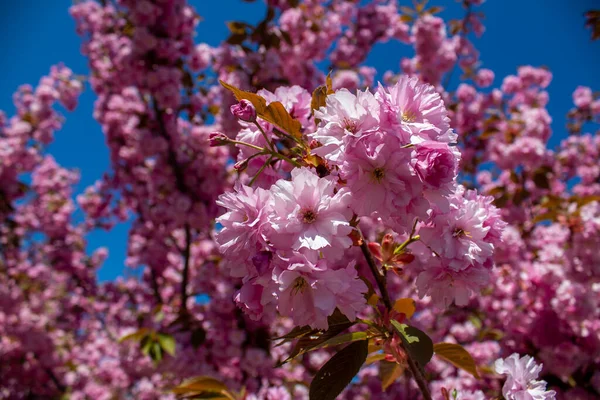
(186,269)
(155,288)
(414,369)
(376,274)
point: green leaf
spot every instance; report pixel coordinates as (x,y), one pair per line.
(146,345)
(375,357)
(338,323)
(295,333)
(456,355)
(167,342)
(203,387)
(135,336)
(416,343)
(345,338)
(388,373)
(338,372)
(156,352)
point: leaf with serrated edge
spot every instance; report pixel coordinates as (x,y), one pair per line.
(338,372)
(456,355)
(136,336)
(416,342)
(167,342)
(203,384)
(388,373)
(309,342)
(338,323)
(280,117)
(274,113)
(329,84)
(375,357)
(345,338)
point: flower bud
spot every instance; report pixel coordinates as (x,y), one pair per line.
(436,163)
(241,166)
(217,139)
(244,110)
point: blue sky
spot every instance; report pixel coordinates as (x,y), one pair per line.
(39,33)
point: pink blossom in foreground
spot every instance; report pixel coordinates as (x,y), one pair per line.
(460,236)
(243,226)
(521,382)
(379,175)
(414,112)
(306,214)
(345,116)
(309,293)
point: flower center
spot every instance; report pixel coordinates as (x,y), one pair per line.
(299,285)
(459,233)
(308,216)
(350,125)
(409,116)
(378,173)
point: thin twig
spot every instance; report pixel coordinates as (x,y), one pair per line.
(154,279)
(416,373)
(186,269)
(260,171)
(376,274)
(265,136)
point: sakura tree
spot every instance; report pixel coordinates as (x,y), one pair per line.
(303,234)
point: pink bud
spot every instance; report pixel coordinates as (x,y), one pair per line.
(217,139)
(241,165)
(375,249)
(436,163)
(244,110)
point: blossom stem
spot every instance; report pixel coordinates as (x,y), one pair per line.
(406,243)
(246,144)
(412,238)
(260,171)
(271,152)
(281,156)
(414,369)
(265,136)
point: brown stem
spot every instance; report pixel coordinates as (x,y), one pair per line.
(376,274)
(414,369)
(419,378)
(55,380)
(155,289)
(171,156)
(186,269)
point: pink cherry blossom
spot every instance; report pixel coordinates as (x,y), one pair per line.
(521,382)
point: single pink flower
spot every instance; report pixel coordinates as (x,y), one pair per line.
(414,112)
(307,215)
(521,382)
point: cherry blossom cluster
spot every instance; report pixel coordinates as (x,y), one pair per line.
(390,156)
